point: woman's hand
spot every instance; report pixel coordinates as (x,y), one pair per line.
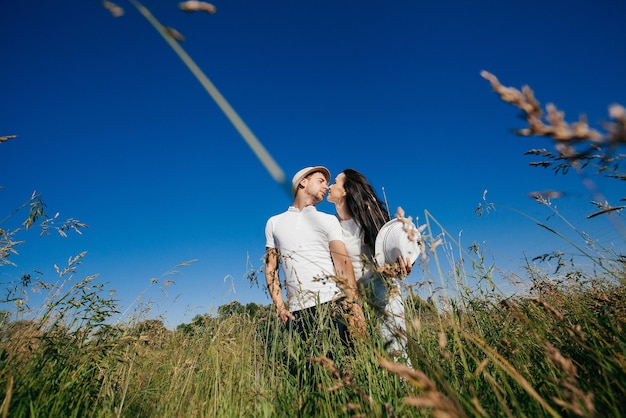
(405,266)
(400,269)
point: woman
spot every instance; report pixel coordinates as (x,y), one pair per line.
(361,215)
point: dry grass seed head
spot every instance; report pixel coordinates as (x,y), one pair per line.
(556,128)
(415,377)
(481,367)
(440,405)
(115,10)
(617,129)
(7,137)
(576,401)
(435,244)
(565,365)
(407,224)
(21,339)
(175,34)
(443,340)
(556,314)
(197,6)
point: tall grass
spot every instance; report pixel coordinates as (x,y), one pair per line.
(558,349)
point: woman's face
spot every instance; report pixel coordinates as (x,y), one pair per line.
(337,192)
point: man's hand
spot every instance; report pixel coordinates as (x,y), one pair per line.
(356,319)
(285,315)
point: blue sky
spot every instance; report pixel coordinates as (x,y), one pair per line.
(114,130)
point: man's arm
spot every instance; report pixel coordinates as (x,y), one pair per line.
(344,270)
(347,282)
(273,284)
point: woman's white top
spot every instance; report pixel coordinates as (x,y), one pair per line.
(353,238)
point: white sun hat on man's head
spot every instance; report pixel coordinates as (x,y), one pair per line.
(393,241)
(297,178)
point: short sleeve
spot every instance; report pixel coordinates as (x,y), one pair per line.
(335,233)
(269,234)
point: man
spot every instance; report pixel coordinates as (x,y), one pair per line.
(318,272)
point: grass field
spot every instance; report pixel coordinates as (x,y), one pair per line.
(556,349)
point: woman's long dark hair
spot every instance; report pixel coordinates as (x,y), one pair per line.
(369,212)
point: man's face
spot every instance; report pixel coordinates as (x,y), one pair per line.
(316,186)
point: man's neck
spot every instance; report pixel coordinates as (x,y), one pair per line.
(302,202)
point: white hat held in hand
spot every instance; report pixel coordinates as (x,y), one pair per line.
(393,241)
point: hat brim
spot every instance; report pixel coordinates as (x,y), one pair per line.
(393,241)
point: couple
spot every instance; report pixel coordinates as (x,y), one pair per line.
(328,260)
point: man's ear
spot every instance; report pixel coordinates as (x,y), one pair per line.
(303,183)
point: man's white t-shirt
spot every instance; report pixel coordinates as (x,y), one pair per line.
(302,239)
